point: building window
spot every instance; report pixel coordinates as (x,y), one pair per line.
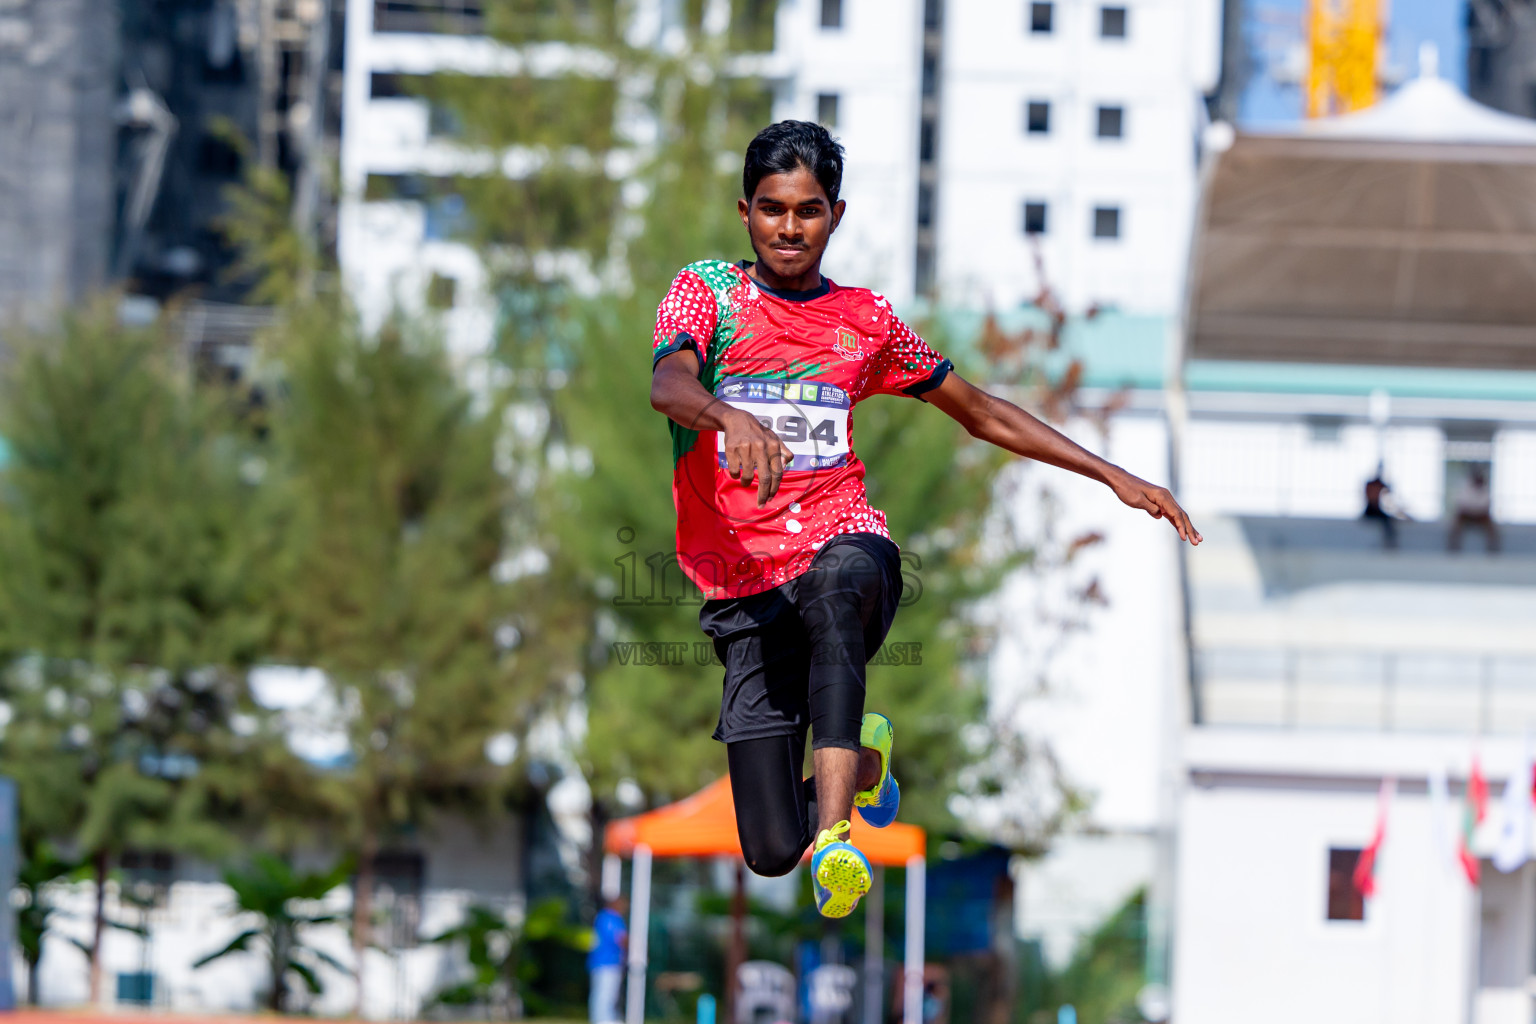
(924,205)
(1111,122)
(1325,429)
(925,144)
(399,878)
(1344,901)
(390,85)
(441,291)
(1034,218)
(930,75)
(446,218)
(443,122)
(457,17)
(933,13)
(1040,15)
(217,157)
(386,85)
(148,875)
(831,13)
(927,273)
(1112,22)
(1106,222)
(1037,117)
(391,188)
(826,109)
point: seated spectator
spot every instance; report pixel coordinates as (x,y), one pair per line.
(1473,507)
(1380,507)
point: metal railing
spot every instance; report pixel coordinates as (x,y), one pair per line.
(1298,688)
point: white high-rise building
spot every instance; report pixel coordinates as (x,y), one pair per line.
(393,238)
(974,130)
(855,66)
(1074,124)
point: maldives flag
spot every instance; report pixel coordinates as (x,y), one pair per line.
(1365,867)
(1473,812)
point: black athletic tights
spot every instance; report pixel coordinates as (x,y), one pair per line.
(775,809)
(846,603)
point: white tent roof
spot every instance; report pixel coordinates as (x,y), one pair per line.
(1426,110)
(1403,235)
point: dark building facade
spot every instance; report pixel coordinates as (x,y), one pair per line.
(1501,54)
(122,122)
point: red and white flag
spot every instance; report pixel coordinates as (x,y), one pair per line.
(1474,810)
(1365,867)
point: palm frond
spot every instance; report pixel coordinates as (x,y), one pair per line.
(239,944)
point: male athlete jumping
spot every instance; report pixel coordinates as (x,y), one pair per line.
(758,367)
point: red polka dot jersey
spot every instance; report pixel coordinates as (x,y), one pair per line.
(799,361)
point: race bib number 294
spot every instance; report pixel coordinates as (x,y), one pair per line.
(810,417)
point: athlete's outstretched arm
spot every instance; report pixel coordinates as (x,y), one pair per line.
(750,448)
(989,418)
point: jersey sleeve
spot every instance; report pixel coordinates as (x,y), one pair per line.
(906,364)
(686,318)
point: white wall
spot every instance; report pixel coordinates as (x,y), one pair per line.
(1108,709)
(1107,683)
(465,864)
(1252,942)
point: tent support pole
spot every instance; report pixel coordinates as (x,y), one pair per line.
(736,955)
(639,933)
(912,983)
(874,948)
(613,876)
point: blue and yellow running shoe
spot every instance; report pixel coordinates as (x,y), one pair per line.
(839,872)
(878,804)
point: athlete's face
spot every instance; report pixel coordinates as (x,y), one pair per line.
(790,222)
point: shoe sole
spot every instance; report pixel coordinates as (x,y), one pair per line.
(843,874)
(876,816)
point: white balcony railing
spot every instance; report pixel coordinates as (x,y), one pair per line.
(1296,688)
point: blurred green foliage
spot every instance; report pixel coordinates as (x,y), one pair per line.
(284,902)
(503,965)
(1106,973)
(40,867)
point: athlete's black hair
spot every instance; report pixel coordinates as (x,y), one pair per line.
(783,147)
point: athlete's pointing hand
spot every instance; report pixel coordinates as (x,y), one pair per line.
(1156,502)
(753,450)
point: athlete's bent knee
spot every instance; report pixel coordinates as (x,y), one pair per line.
(770,858)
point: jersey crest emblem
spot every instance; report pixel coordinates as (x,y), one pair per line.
(847,343)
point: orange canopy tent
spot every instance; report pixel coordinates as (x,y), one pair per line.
(704,825)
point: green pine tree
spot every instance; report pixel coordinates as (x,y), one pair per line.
(384,467)
(124,612)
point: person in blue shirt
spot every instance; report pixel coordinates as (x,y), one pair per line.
(605,962)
